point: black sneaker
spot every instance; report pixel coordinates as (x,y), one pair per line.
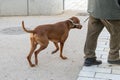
(92,61)
(114,62)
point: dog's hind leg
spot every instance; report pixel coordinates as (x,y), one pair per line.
(57,47)
(33,47)
(42,47)
(43,44)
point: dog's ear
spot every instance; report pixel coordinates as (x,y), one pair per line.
(75,19)
(68,23)
(71,18)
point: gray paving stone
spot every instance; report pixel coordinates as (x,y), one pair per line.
(96,69)
(86,74)
(85,78)
(107,76)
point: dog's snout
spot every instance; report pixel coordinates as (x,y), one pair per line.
(80,26)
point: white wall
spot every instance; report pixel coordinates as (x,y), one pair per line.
(30,7)
(13,7)
(45,7)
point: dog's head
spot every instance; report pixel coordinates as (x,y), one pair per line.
(75,23)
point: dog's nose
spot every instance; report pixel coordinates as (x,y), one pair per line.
(80,26)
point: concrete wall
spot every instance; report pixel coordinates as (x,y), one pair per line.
(30,7)
(13,7)
(37,7)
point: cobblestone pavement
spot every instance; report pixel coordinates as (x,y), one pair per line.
(104,71)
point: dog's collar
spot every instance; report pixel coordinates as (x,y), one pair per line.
(74,24)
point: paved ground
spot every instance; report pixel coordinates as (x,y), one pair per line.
(104,71)
(14,47)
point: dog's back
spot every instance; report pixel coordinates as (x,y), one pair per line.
(54,32)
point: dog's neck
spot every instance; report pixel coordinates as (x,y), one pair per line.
(73,23)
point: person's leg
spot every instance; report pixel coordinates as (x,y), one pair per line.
(94,28)
(113,26)
(119,2)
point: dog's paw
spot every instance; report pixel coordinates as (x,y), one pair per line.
(54,51)
(33,65)
(63,57)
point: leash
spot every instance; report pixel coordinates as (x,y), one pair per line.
(86,19)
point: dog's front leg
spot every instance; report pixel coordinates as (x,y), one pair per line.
(61,50)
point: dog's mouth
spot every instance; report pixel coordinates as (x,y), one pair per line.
(77,26)
(80,26)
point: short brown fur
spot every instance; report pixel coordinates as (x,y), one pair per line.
(57,33)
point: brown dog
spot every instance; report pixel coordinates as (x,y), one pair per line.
(57,33)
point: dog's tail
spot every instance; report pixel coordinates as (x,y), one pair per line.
(28,31)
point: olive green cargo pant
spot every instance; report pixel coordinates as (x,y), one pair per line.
(95,26)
